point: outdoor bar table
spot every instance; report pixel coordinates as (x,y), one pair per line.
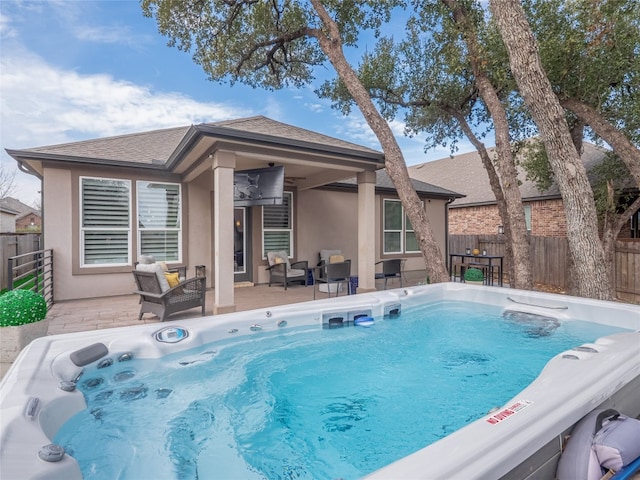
(471,260)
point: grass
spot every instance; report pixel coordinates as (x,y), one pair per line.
(26,283)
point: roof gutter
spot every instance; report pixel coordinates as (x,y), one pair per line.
(27,169)
(23,155)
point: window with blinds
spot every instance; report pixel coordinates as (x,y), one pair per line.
(398,234)
(277,226)
(106,221)
(159,213)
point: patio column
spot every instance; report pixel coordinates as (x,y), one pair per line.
(224,164)
(366,231)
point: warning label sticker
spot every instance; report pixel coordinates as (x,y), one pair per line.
(507,412)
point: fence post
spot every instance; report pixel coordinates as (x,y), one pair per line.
(10,274)
(36,260)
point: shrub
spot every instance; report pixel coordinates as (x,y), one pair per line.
(473,275)
(19,307)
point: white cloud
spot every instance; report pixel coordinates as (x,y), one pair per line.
(6,28)
(42,105)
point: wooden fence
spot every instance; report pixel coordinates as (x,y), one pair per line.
(550,260)
(627,271)
(12,245)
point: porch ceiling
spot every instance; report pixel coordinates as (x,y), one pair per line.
(304,170)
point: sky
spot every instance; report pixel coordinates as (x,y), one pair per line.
(83,69)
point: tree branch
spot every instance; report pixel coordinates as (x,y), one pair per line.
(623,147)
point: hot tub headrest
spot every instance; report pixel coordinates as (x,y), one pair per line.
(89,354)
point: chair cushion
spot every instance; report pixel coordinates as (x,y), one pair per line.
(336,258)
(296,272)
(147,259)
(325,254)
(275,258)
(157,269)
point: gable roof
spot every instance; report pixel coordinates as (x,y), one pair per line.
(385,184)
(8,211)
(465,173)
(27,214)
(158,148)
(10,204)
(266,127)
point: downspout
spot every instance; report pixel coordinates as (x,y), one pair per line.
(24,169)
(446,232)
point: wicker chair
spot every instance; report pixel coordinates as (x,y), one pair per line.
(184,296)
(281,270)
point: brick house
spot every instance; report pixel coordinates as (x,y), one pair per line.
(477,212)
(30,222)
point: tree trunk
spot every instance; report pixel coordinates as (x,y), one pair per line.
(627,152)
(570,174)
(331,44)
(494,182)
(521,275)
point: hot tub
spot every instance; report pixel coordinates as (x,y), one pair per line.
(522,438)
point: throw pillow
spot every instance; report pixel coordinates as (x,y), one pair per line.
(172,278)
(336,258)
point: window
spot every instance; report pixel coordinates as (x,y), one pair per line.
(527,217)
(398,233)
(159,213)
(635,225)
(277,226)
(106,211)
(105,221)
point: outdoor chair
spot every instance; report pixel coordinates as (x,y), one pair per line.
(328,256)
(281,270)
(336,273)
(164,300)
(391,268)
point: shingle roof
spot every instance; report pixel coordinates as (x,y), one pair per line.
(15,205)
(141,148)
(8,210)
(266,126)
(383,181)
(465,173)
(156,146)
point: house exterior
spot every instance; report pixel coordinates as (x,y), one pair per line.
(18,217)
(477,214)
(173,193)
(7,219)
(29,222)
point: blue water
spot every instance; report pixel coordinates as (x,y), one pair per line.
(307,403)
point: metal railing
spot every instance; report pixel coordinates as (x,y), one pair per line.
(32,271)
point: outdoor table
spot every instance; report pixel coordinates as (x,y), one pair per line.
(471,260)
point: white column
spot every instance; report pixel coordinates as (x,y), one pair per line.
(366,231)
(224,164)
